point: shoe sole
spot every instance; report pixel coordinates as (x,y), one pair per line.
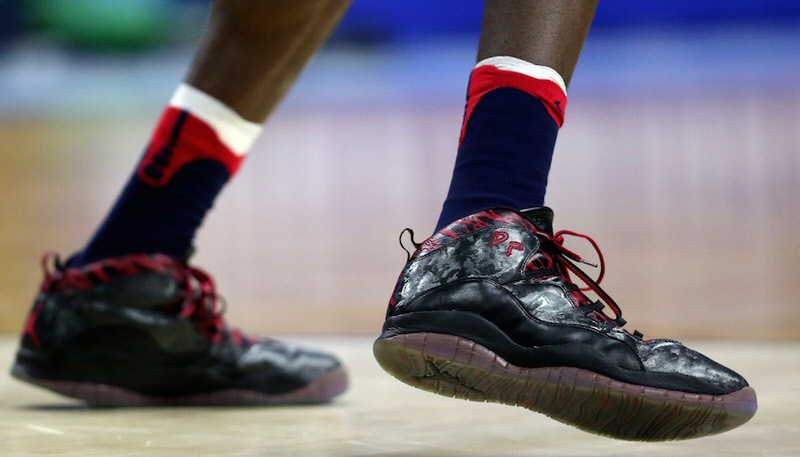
(323,389)
(457,367)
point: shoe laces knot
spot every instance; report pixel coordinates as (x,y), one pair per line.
(565,257)
(204,305)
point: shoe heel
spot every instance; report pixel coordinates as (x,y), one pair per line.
(443,364)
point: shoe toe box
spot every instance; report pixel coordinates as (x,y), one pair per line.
(688,369)
(278,366)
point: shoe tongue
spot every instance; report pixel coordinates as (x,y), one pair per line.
(541,217)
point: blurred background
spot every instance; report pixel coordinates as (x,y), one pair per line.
(679,156)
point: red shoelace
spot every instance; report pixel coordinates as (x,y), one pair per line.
(206,307)
(566,266)
(201,302)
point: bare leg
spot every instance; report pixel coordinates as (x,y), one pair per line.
(544,32)
(536,44)
(254,50)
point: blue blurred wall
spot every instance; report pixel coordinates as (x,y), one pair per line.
(390,20)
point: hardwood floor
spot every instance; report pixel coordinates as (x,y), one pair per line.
(380,416)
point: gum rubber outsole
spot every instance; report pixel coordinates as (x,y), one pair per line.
(457,367)
(323,389)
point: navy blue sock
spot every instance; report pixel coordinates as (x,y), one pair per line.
(147,219)
(165,201)
(506,147)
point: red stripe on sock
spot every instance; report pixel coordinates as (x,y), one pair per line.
(173,147)
(488,77)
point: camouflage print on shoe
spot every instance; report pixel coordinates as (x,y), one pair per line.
(486,310)
(146,329)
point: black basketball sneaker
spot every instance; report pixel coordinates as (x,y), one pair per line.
(486,310)
(148,330)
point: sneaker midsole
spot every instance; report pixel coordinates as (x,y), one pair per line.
(566,353)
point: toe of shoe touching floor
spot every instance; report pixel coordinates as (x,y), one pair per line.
(146,329)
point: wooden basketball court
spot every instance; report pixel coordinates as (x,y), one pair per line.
(380,416)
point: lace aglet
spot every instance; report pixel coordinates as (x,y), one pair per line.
(586,262)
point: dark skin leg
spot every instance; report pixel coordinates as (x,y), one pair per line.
(544,32)
(253,50)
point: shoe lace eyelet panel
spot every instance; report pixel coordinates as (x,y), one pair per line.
(205,306)
(565,259)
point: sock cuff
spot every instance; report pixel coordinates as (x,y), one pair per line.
(235,132)
(526,68)
(542,82)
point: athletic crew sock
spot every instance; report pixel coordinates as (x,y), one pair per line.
(197,146)
(513,113)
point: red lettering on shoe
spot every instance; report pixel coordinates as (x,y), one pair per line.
(514,246)
(498,238)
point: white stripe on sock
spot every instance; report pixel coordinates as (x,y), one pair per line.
(232,129)
(526,68)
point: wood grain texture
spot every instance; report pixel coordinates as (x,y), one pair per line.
(380,416)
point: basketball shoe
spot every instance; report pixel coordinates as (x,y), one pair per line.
(148,330)
(486,310)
